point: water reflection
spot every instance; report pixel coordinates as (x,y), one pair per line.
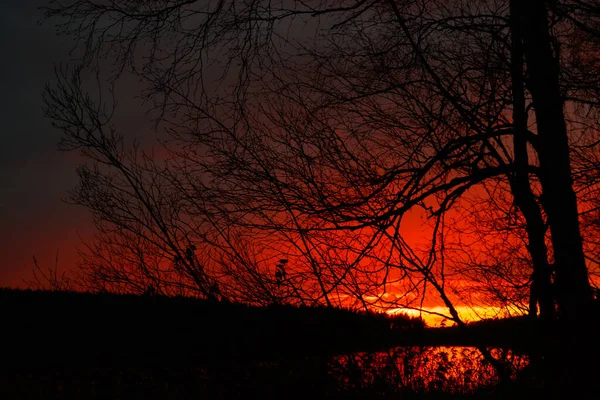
(399,371)
(422,369)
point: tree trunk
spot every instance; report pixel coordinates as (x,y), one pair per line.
(520,184)
(558,197)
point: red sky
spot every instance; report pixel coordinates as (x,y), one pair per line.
(34,176)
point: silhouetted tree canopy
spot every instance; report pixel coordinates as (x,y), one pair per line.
(314,132)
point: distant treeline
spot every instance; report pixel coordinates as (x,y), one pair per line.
(515,333)
(55,327)
(521,333)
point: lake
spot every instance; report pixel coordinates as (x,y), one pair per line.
(418,370)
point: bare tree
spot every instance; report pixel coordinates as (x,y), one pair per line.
(311,132)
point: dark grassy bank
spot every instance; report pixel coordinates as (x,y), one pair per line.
(50,327)
(107,329)
(307,381)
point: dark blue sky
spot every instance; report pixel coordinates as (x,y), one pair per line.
(34,175)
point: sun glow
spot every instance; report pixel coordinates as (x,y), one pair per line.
(438,316)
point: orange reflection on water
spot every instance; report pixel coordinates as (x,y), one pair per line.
(457,370)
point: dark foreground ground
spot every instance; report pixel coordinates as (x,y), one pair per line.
(91,346)
(54,328)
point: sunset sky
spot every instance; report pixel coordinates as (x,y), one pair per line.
(34,175)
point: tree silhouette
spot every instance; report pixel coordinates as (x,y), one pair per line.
(312,131)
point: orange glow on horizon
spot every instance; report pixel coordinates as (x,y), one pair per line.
(433,315)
